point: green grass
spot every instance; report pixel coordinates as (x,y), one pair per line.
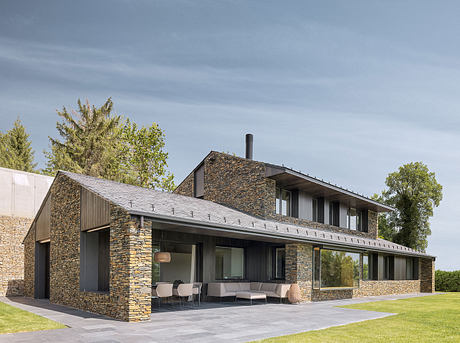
(13,319)
(425,319)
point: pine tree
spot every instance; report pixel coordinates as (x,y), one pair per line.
(98,143)
(90,137)
(15,149)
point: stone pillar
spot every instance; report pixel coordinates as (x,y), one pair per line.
(299,266)
(140,271)
(427,277)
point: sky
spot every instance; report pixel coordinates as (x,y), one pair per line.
(347,91)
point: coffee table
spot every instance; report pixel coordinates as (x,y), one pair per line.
(249,295)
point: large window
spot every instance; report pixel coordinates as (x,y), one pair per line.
(337,269)
(95,260)
(229,263)
(354,219)
(283,202)
(280,263)
(366,270)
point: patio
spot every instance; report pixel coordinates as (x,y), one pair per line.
(213,321)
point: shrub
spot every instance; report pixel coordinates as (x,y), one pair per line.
(447,281)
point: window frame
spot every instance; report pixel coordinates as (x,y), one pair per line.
(243,276)
(275,255)
(279,202)
(359,219)
(317,272)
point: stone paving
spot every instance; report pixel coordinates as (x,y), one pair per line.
(212,322)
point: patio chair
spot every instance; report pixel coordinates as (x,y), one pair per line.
(163,290)
(197,290)
(184,290)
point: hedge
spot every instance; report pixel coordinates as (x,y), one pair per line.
(447,281)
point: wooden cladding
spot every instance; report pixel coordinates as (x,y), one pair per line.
(43,222)
(199,182)
(94,211)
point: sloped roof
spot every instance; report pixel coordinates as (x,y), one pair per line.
(157,204)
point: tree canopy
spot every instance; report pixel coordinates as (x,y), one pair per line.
(15,149)
(99,143)
(414,192)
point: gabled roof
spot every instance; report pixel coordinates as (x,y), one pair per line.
(188,210)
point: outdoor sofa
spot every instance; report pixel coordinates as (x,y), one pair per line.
(230,289)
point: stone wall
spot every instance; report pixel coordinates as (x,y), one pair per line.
(386,287)
(241,184)
(331,294)
(29,263)
(427,278)
(186,186)
(373,224)
(12,232)
(130,259)
(299,266)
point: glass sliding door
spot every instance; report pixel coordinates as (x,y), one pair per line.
(182,266)
(229,263)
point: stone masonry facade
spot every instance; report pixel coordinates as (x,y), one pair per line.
(130,259)
(241,184)
(427,279)
(12,232)
(299,268)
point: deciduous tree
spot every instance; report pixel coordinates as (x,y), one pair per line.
(414,192)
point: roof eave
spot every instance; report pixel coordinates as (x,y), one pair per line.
(274,170)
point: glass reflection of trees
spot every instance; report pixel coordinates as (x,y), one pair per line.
(339,269)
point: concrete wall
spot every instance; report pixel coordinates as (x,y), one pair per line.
(21,195)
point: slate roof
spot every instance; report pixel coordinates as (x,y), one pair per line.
(157,204)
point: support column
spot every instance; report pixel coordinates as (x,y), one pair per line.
(140,271)
(299,266)
(427,278)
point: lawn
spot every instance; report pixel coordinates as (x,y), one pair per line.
(425,319)
(13,319)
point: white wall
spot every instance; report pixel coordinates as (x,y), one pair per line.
(22,193)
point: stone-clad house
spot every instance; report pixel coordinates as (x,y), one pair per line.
(233,219)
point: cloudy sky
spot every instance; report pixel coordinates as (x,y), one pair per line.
(344,90)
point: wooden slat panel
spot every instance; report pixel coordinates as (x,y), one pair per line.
(43,222)
(95,211)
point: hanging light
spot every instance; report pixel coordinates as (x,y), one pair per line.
(162,257)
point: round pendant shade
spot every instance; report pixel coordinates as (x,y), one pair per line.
(162,257)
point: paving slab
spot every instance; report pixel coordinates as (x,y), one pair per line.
(223,322)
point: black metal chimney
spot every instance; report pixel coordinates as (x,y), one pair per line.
(249,149)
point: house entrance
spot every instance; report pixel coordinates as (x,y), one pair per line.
(42,270)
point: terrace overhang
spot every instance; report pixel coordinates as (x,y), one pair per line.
(290,179)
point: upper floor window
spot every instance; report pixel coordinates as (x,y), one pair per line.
(354,219)
(318,210)
(283,202)
(334,213)
(315,213)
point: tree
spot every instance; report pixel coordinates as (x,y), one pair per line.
(15,149)
(89,140)
(99,143)
(413,191)
(143,158)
